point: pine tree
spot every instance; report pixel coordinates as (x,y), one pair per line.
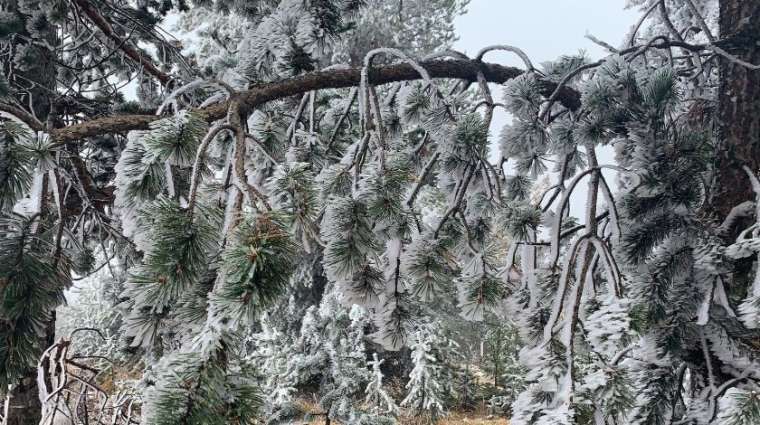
(354,202)
(425,389)
(378,400)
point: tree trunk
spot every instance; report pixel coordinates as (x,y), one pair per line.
(739,106)
(25,403)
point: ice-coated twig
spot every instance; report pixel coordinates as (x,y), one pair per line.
(744,210)
(695,58)
(292,127)
(421,179)
(201,152)
(701,21)
(601,43)
(351,99)
(560,211)
(632,38)
(246,187)
(559,298)
(610,265)
(198,83)
(755,188)
(507,48)
(260,146)
(732,58)
(708,362)
(562,84)
(611,207)
(364,98)
(457,200)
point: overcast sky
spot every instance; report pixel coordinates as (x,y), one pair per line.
(545,30)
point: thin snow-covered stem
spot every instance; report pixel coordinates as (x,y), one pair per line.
(562,84)
(695,58)
(601,43)
(260,147)
(351,99)
(364,76)
(610,265)
(312,112)
(457,200)
(171,98)
(447,53)
(755,188)
(292,127)
(20,115)
(421,179)
(468,234)
(611,207)
(506,48)
(701,21)
(200,153)
(358,160)
(169,175)
(708,362)
(246,187)
(559,298)
(641,20)
(732,58)
(511,256)
(575,300)
(564,203)
(651,43)
(378,125)
(560,212)
(744,210)
(401,55)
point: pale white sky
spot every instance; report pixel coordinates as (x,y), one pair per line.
(545,30)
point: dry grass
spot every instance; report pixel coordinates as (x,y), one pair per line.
(453,419)
(457,419)
(478,417)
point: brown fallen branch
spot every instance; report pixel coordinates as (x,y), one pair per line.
(331,79)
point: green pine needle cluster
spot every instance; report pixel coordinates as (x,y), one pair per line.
(257,264)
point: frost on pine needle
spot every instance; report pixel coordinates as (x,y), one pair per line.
(609,327)
(308,193)
(15,164)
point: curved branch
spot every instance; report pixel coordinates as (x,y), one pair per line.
(99,21)
(23,116)
(506,48)
(332,79)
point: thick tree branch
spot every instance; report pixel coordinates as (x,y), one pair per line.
(23,116)
(331,79)
(99,21)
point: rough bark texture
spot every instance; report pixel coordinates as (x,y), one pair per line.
(331,79)
(739,106)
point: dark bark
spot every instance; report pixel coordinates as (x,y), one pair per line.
(332,79)
(739,107)
(124,45)
(25,403)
